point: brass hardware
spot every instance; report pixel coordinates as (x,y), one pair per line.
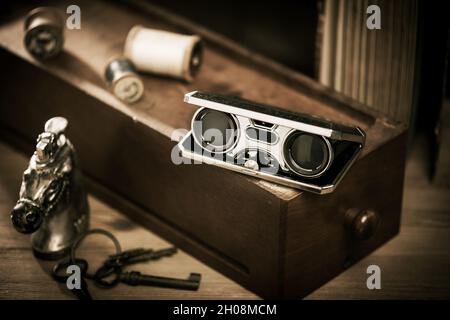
(362,223)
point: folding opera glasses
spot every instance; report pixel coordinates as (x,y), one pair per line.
(288,148)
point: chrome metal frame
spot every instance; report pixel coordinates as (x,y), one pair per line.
(283,127)
(275,115)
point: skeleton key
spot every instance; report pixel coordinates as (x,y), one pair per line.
(138,255)
(135,278)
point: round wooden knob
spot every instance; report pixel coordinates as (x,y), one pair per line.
(363,223)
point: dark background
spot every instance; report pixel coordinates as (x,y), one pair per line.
(282,30)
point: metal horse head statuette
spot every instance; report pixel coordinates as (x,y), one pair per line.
(52,204)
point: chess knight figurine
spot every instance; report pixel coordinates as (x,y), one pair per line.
(52,204)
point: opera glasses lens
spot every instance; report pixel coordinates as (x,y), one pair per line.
(214,130)
(307,154)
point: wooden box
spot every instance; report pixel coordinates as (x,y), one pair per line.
(276,241)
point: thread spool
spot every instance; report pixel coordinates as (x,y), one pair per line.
(121,76)
(164,53)
(44,32)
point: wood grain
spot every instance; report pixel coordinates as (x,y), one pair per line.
(319,244)
(24,277)
(415,264)
(129,166)
(124,154)
(162,107)
(125,151)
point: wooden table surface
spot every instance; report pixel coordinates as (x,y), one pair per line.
(415,264)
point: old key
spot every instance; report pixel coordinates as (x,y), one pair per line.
(115,264)
(138,255)
(113,267)
(135,278)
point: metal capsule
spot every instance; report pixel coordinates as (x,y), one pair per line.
(44,32)
(122,78)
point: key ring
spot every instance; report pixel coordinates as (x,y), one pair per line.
(62,265)
(83,236)
(104,272)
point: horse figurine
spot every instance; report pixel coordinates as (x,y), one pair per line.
(52,200)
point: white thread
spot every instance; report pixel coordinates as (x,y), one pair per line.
(164,53)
